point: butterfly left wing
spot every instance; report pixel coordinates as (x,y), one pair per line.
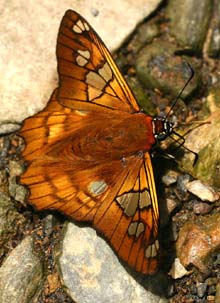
(88,77)
(118,197)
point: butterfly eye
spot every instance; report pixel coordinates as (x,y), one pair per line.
(162,128)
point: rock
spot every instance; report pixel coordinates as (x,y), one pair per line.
(205,193)
(217,295)
(21,274)
(189,22)
(171,205)
(170,178)
(201,289)
(214,46)
(201,208)
(144,100)
(178,270)
(91,271)
(198,240)
(204,139)
(158,67)
(17,191)
(146,32)
(10,220)
(182,180)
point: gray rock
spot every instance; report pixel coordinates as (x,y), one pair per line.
(21,274)
(158,67)
(92,273)
(189,22)
(10,220)
(214,45)
(204,192)
(18,192)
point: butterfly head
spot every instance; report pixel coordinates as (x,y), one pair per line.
(162,128)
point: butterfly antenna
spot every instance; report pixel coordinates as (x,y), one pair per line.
(180,93)
(181,144)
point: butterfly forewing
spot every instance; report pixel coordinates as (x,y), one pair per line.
(87,72)
(88,150)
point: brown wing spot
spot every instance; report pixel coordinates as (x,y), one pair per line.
(129,202)
(96,85)
(136,228)
(151,250)
(95,80)
(83,58)
(97,188)
(105,72)
(144,200)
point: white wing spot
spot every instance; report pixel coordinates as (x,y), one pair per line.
(97,188)
(80,27)
(86,26)
(97,81)
(83,57)
(76,29)
(85,53)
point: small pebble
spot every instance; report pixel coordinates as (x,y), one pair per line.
(201,289)
(211,281)
(178,270)
(181,183)
(201,208)
(205,193)
(174,232)
(171,205)
(170,178)
(211,299)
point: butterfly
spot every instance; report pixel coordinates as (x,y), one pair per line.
(88,151)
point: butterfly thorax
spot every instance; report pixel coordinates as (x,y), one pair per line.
(161,128)
(122,136)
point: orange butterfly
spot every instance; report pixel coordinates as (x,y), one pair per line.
(88,150)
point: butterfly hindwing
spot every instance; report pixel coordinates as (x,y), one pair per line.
(130,222)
